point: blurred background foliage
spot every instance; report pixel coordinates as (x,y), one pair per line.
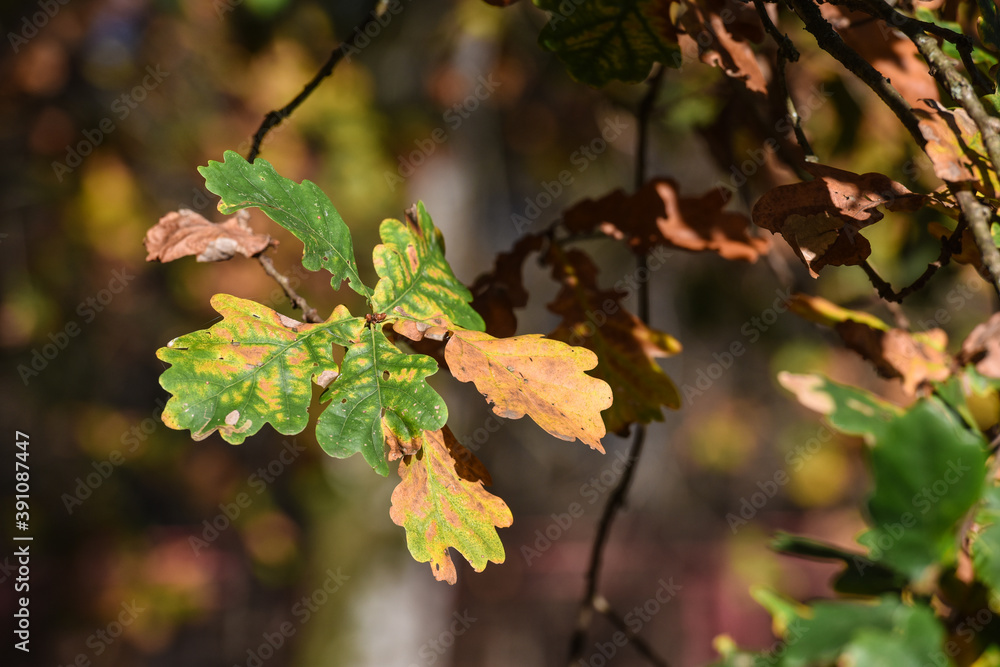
(106,109)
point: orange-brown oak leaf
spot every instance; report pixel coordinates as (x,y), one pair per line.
(626,348)
(914,358)
(657,215)
(441,503)
(955,147)
(982,347)
(821,219)
(534,376)
(182,233)
(708,27)
(892,53)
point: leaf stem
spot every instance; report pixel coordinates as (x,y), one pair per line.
(308,312)
(274,118)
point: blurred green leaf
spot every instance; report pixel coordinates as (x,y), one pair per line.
(848,409)
(599,41)
(928,471)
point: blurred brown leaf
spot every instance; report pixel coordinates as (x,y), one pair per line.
(495,295)
(913,357)
(955,147)
(182,233)
(982,347)
(821,219)
(657,215)
(626,348)
(721,42)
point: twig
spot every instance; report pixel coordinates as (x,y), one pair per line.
(591,600)
(787,53)
(949,246)
(308,312)
(601,605)
(274,118)
(948,77)
(832,43)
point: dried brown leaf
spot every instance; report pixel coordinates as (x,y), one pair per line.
(498,293)
(657,215)
(982,347)
(955,147)
(626,348)
(821,219)
(184,232)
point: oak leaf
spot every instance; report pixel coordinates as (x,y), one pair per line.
(955,147)
(626,348)
(534,376)
(915,358)
(414,275)
(379,389)
(301,208)
(982,347)
(441,503)
(496,294)
(253,367)
(721,44)
(184,232)
(657,215)
(821,219)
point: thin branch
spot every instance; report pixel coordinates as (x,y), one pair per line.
(601,605)
(787,53)
(308,312)
(274,118)
(949,246)
(949,78)
(591,600)
(832,43)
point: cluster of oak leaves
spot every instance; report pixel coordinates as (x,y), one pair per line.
(257,366)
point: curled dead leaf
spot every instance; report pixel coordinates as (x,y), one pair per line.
(184,232)
(657,215)
(955,147)
(821,219)
(982,347)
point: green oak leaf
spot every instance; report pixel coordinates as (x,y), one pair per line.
(928,471)
(253,367)
(915,640)
(849,409)
(985,546)
(416,280)
(599,40)
(301,208)
(378,383)
(441,503)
